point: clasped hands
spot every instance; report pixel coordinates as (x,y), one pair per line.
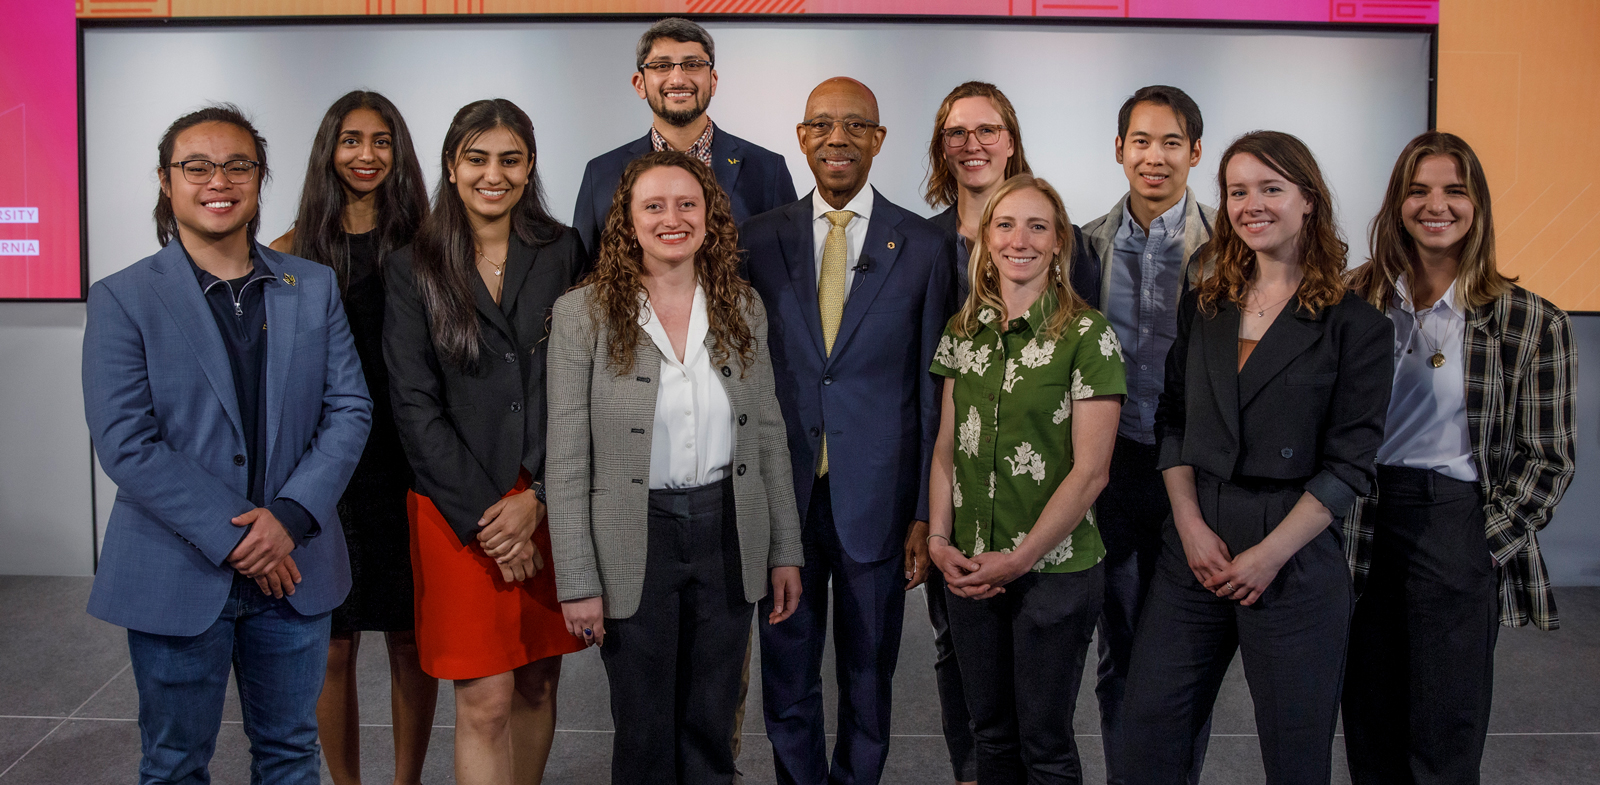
(505,532)
(1241,578)
(263,554)
(978,578)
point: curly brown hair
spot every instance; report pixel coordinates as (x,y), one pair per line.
(618,276)
(1322,250)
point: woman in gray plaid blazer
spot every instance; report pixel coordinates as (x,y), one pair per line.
(1478,449)
(672,504)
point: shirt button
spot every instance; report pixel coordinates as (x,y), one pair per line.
(1146,330)
(510,357)
(516,406)
(1143,367)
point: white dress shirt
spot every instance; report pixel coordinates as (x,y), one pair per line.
(1427,423)
(855,232)
(692,443)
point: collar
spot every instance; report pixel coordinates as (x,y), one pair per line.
(699,326)
(1032,319)
(860,204)
(258,268)
(1171,221)
(700,149)
(1447,301)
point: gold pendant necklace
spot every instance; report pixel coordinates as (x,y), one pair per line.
(499,267)
(1437,359)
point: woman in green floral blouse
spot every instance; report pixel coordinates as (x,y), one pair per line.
(1033,391)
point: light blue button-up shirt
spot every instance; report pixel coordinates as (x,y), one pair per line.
(1146,280)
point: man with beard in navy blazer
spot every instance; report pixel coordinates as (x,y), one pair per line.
(676,75)
(857,292)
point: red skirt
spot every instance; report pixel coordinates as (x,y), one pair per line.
(470,623)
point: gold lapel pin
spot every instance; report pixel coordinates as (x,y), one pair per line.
(891,245)
(288,279)
(733,160)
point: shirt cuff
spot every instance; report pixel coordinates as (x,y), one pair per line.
(1334,494)
(1171,453)
(300,524)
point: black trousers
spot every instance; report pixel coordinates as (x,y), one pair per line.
(1021,655)
(1421,673)
(1292,639)
(954,719)
(1130,512)
(674,665)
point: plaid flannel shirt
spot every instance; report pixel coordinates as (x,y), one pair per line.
(1521,384)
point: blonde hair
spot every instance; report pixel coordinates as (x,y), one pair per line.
(942,186)
(984,277)
(1394,251)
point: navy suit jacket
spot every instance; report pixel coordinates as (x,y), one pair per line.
(873,394)
(755,179)
(159,396)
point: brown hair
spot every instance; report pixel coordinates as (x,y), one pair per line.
(1394,251)
(985,280)
(1322,250)
(618,277)
(942,186)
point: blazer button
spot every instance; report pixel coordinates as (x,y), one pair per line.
(739,471)
(516,406)
(1287,453)
(827,380)
(726,371)
(815,433)
(742,418)
(510,357)
(238,460)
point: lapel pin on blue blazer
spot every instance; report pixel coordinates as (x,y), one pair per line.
(288,279)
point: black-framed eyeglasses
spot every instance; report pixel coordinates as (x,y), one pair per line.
(816,129)
(957,137)
(690,67)
(200,171)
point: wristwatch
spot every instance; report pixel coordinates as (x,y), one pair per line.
(538,491)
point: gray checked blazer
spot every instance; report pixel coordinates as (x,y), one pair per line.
(597,469)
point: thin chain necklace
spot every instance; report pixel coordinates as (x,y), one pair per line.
(499,267)
(1437,358)
(1263,311)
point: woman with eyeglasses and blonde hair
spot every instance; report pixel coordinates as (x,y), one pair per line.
(1270,417)
(1032,396)
(1478,450)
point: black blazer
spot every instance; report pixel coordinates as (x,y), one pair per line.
(1083,274)
(754,178)
(468,435)
(1308,406)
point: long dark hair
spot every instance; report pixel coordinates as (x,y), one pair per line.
(1394,252)
(618,277)
(942,186)
(445,257)
(401,201)
(1322,250)
(166,221)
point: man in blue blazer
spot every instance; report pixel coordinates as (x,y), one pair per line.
(676,76)
(857,291)
(225,399)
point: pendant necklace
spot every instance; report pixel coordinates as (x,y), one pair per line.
(1263,311)
(1437,358)
(499,267)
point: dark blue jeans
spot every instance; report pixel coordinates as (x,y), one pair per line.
(279,658)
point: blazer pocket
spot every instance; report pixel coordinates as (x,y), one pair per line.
(891,304)
(1310,379)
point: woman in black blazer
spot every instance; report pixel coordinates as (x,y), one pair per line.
(464,338)
(1273,409)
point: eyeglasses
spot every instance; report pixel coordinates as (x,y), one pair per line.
(690,67)
(816,129)
(200,171)
(957,137)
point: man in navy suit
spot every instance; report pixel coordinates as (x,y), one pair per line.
(677,75)
(226,400)
(857,291)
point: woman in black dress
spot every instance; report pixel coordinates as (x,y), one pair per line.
(364,197)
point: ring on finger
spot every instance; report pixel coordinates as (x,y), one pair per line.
(1229,587)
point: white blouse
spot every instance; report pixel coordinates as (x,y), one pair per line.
(1427,423)
(692,444)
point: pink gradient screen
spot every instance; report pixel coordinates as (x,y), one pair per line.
(40,257)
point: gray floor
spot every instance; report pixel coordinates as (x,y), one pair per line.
(67,706)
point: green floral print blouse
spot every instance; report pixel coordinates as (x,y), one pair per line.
(1013,407)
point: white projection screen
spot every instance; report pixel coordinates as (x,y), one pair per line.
(1354,96)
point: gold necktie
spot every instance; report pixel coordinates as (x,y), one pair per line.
(830,294)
